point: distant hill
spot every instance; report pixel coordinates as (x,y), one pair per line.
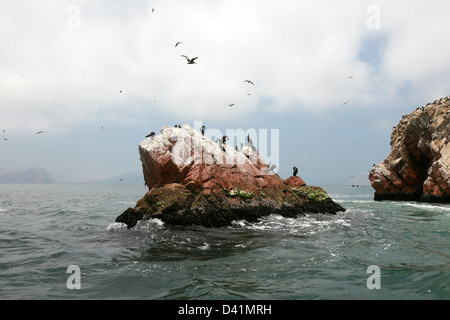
(33,175)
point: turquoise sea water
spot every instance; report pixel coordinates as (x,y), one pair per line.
(44,229)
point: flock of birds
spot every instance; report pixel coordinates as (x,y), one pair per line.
(222,143)
(6,139)
(224,138)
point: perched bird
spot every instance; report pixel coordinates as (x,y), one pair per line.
(178,44)
(272,167)
(250,143)
(224,139)
(150,135)
(203,130)
(248,81)
(295,171)
(177,126)
(214,158)
(39,132)
(189,60)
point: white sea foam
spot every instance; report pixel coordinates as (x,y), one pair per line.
(205,246)
(309,223)
(429,206)
(115,226)
(150,224)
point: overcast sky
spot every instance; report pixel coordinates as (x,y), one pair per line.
(72,67)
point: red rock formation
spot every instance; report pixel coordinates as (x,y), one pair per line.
(295,182)
(418,167)
(193,180)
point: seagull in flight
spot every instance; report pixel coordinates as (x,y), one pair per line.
(189,60)
(248,81)
(178,44)
(39,132)
(231,104)
(350,77)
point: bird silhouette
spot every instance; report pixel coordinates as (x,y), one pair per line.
(176,44)
(248,81)
(295,171)
(150,135)
(231,104)
(250,143)
(203,130)
(39,132)
(189,60)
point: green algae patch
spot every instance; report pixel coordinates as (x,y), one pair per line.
(311,193)
(243,194)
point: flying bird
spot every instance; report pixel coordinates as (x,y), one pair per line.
(178,43)
(5,139)
(39,132)
(150,135)
(231,104)
(295,171)
(346,102)
(248,81)
(189,60)
(350,77)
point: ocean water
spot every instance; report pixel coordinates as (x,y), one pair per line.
(374,250)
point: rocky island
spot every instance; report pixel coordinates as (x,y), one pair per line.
(193,180)
(418,167)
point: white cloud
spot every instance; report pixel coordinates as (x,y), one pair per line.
(298,53)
